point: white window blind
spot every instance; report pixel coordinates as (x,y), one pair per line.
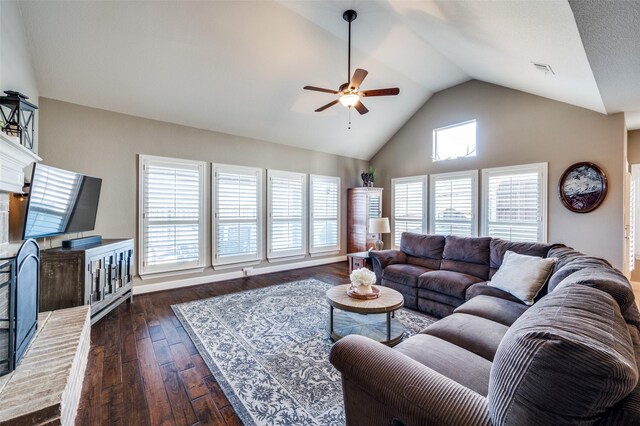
(454,204)
(237,214)
(172,214)
(287,215)
(409,197)
(324,220)
(632,224)
(515,202)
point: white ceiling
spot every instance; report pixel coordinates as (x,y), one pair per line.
(239,66)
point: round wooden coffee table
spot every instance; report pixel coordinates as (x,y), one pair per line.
(374,318)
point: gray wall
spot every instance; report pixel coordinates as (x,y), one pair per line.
(106,144)
(514,128)
(633,147)
(16,70)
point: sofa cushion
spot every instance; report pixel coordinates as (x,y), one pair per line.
(409,293)
(452,361)
(502,311)
(404,274)
(567,360)
(498,248)
(447,282)
(475,334)
(607,280)
(435,308)
(423,250)
(467,255)
(482,288)
(423,293)
(522,276)
(574,265)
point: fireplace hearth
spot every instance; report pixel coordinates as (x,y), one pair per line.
(19,282)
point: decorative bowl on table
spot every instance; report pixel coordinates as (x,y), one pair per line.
(362,284)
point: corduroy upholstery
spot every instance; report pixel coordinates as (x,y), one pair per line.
(571,358)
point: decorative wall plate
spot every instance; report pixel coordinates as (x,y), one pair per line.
(582,187)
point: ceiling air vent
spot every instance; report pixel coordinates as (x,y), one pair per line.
(543,68)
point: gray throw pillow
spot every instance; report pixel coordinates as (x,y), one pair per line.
(522,276)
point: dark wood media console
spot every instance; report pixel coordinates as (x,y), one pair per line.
(99,275)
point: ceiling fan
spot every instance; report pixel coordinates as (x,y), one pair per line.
(349,94)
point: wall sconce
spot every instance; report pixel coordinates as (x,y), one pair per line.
(19,117)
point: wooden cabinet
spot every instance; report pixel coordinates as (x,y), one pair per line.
(364,204)
(99,275)
(359,260)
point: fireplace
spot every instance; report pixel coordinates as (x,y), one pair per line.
(19,282)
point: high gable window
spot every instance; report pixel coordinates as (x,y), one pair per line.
(409,198)
(514,202)
(455,141)
(324,220)
(454,204)
(172,225)
(287,214)
(237,214)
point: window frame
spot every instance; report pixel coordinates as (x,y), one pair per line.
(326,249)
(473,174)
(177,267)
(425,200)
(239,259)
(543,175)
(289,254)
(435,157)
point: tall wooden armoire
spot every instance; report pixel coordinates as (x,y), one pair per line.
(364,204)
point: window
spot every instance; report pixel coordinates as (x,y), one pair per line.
(324,221)
(237,214)
(454,204)
(455,141)
(287,225)
(171,208)
(514,202)
(408,197)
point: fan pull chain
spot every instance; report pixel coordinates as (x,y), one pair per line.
(349,118)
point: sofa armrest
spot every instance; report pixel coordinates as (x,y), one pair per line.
(408,391)
(380,259)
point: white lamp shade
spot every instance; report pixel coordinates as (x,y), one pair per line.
(379,225)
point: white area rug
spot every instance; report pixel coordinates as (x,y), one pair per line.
(269,351)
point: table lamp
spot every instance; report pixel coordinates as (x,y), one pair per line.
(379,226)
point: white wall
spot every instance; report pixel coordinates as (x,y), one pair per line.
(16,70)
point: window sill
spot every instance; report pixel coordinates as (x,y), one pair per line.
(286,258)
(324,253)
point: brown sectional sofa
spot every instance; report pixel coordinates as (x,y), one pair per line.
(571,358)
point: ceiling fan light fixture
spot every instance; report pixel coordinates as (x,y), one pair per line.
(349,99)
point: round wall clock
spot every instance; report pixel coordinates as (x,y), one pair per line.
(582,187)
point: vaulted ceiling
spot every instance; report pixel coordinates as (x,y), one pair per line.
(239,66)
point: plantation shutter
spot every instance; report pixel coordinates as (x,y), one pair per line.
(454,204)
(237,210)
(515,203)
(325,214)
(172,210)
(287,214)
(408,211)
(632,224)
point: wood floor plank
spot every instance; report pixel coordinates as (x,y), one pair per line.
(157,400)
(178,398)
(140,350)
(207,412)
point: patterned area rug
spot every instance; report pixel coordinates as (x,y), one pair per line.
(269,351)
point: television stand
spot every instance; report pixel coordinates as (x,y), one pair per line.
(79,242)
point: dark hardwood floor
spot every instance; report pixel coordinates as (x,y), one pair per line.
(144,370)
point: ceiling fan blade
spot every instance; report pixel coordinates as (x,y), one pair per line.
(361,108)
(358,76)
(381,92)
(320,89)
(330,104)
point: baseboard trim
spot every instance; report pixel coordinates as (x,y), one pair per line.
(188,282)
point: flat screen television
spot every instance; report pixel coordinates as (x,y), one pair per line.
(60,202)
